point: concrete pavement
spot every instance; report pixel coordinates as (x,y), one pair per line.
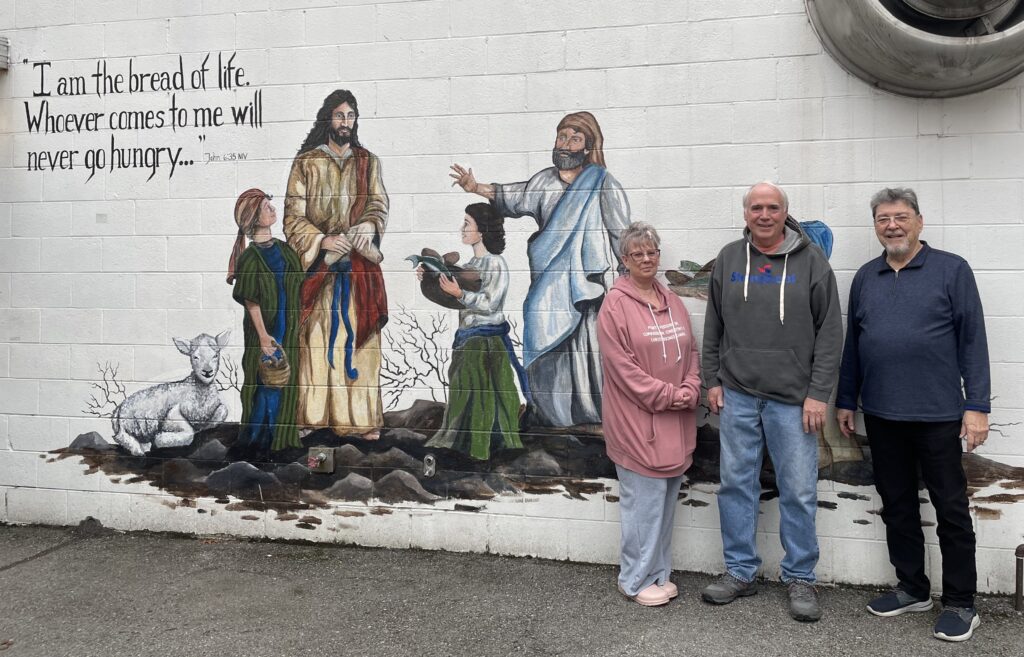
(89,592)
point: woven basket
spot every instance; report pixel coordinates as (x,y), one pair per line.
(275,372)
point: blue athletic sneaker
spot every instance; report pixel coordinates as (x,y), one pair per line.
(956,623)
(897,602)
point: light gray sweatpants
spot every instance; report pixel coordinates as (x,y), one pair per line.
(647,506)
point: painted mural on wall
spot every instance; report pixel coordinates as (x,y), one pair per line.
(326,361)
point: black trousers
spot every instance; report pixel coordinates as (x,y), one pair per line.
(899,450)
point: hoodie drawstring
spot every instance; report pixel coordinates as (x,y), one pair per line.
(672,321)
(782,285)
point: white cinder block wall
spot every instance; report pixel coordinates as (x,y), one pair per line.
(697,99)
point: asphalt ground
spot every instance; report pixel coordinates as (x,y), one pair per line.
(92,592)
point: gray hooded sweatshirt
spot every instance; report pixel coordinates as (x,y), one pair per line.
(773,327)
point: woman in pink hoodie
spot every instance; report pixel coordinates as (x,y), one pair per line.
(651,388)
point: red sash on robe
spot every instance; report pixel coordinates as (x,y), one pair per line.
(368,291)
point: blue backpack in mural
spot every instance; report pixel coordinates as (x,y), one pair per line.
(820,234)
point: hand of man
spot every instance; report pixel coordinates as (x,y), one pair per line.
(450,286)
(844,417)
(463,178)
(336,244)
(814,415)
(716,399)
(362,236)
(974,428)
(419,272)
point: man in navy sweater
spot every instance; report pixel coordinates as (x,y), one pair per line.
(917,357)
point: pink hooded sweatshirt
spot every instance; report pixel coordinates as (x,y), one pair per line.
(647,352)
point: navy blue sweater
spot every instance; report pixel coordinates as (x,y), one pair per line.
(911,337)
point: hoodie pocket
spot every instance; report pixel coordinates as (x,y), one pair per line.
(776,372)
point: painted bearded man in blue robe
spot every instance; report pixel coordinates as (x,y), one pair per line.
(580,210)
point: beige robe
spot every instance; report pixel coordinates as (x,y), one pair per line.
(321,190)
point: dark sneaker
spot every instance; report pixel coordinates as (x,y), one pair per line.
(803,601)
(897,602)
(956,623)
(726,589)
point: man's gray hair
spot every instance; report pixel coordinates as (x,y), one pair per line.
(782,193)
(636,233)
(894,195)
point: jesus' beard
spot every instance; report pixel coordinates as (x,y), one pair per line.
(341,136)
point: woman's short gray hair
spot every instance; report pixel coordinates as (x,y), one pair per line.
(636,233)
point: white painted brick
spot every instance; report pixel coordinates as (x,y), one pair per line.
(71,41)
(430,19)
(601,48)
(40,219)
(982,201)
(63,398)
(319,64)
(546,538)
(87,359)
(999,293)
(992,248)
(198,254)
(5,442)
(67,474)
(77,254)
(190,323)
(823,162)
(526,53)
(5,219)
(41,14)
(710,206)
(1007,385)
(37,361)
(5,363)
(997,156)
(40,290)
(19,324)
(168,291)
(135,254)
(159,9)
(18,468)
(160,362)
(160,513)
(448,57)
(21,396)
(566,91)
(340,25)
(20,254)
(490,94)
(414,98)
(217,520)
(213,32)
(593,542)
(7,21)
(815,76)
(376,61)
(21,185)
(111,509)
(269,29)
(102,291)
(452,531)
(103,218)
(70,325)
(134,38)
(716,82)
(37,506)
(168,217)
(134,327)
(995,110)
(778,120)
(735,165)
(98,11)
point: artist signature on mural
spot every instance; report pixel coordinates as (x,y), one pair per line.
(225,157)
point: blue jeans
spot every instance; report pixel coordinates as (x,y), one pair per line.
(747,424)
(648,507)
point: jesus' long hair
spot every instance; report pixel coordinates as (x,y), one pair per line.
(322,127)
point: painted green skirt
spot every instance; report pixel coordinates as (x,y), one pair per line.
(483,404)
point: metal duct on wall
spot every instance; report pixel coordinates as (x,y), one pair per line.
(924,48)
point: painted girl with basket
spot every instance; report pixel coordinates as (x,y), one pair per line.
(267,277)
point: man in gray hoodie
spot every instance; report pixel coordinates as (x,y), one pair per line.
(773,338)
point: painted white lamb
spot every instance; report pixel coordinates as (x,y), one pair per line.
(170,414)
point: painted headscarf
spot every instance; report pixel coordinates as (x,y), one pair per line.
(247,212)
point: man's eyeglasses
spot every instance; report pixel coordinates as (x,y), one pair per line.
(640,256)
(900,219)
